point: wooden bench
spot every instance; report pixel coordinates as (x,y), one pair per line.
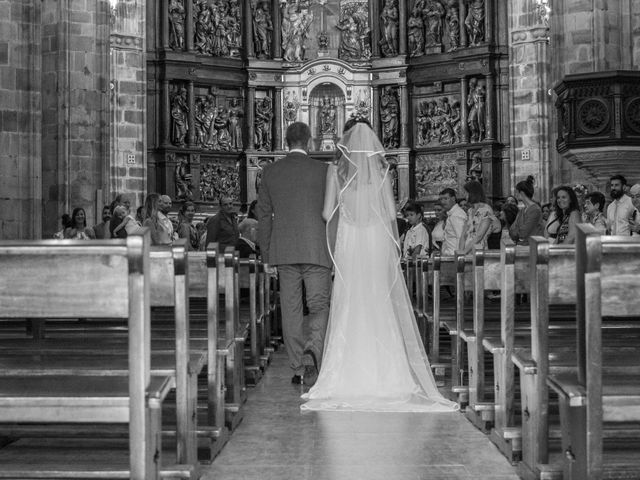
(592,397)
(52,279)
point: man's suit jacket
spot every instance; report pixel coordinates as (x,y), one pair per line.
(290,201)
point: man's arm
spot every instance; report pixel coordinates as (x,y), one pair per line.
(213,228)
(264,212)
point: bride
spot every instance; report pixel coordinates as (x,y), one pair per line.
(374,359)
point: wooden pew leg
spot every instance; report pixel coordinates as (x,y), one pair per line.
(479,412)
(573,423)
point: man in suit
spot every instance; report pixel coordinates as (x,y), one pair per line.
(291,236)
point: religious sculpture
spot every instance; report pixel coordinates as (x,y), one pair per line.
(477,116)
(262,30)
(219,180)
(232,26)
(179,111)
(263,120)
(415,32)
(475,169)
(354,36)
(217,27)
(389,117)
(389,29)
(203,26)
(235,125)
(208,117)
(327,117)
(290,109)
(183,181)
(433,13)
(219,45)
(474,23)
(438,122)
(453,23)
(176,24)
(221,125)
(296,21)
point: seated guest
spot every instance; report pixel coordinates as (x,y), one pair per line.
(416,240)
(527,223)
(186,228)
(101,230)
(437,232)
(65,221)
(454,223)
(77,228)
(246,246)
(634,221)
(508,216)
(250,223)
(160,234)
(117,223)
(593,208)
(223,228)
(481,221)
(565,217)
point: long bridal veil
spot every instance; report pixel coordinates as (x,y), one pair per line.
(374,359)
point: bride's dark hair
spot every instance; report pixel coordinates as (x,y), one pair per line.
(354,120)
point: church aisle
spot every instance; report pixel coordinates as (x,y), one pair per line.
(276,441)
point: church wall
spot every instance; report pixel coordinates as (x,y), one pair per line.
(75,108)
(20,99)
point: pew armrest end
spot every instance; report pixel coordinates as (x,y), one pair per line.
(522,359)
(566,385)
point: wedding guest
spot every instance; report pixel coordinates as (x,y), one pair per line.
(65,221)
(634,222)
(454,221)
(250,223)
(464,205)
(160,235)
(480,219)
(437,232)
(508,216)
(620,210)
(546,211)
(593,208)
(511,199)
(565,217)
(101,230)
(186,228)
(77,228)
(117,223)
(164,207)
(527,223)
(416,240)
(140,214)
(246,246)
(223,228)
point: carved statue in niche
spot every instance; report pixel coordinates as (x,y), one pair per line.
(389,29)
(477,116)
(438,122)
(219,180)
(203,26)
(362,108)
(456,123)
(183,181)
(176,24)
(232,26)
(221,125)
(219,45)
(235,125)
(474,23)
(475,168)
(290,109)
(208,115)
(354,36)
(415,32)
(296,21)
(453,22)
(263,120)
(433,13)
(262,30)
(327,117)
(389,116)
(179,111)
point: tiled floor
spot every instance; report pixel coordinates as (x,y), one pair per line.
(277,441)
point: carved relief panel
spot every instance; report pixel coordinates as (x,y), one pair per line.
(355,41)
(390,117)
(219,177)
(438,121)
(218,119)
(216,27)
(434,172)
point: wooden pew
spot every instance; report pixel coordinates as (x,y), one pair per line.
(608,282)
(52,279)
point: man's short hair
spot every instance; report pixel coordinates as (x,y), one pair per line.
(596,198)
(449,191)
(413,207)
(298,133)
(623,180)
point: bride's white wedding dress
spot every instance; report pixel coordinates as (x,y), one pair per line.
(373,358)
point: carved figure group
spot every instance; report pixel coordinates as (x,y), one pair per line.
(296,21)
(474,22)
(354,33)
(432,175)
(389,29)
(216,127)
(290,110)
(328,117)
(438,123)
(262,30)
(428,23)
(176,24)
(179,117)
(263,123)
(389,118)
(219,180)
(183,181)
(217,27)
(476,104)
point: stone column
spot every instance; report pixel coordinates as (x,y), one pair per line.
(488,21)
(166,114)
(404,116)
(462,6)
(164,22)
(251,117)
(464,110)
(491,107)
(402,20)
(375,109)
(277,139)
(191,102)
(248,29)
(188,25)
(374,25)
(276,39)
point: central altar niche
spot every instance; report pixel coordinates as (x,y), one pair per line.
(326,116)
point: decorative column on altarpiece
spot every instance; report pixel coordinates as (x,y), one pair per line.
(166,114)
(464,91)
(277,139)
(276,40)
(248,28)
(404,117)
(462,8)
(488,21)
(374,22)
(188,28)
(164,5)
(251,118)
(191,135)
(491,107)
(402,20)
(375,109)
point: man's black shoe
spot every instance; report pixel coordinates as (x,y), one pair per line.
(296,379)
(310,368)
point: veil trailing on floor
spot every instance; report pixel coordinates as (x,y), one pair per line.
(374,359)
